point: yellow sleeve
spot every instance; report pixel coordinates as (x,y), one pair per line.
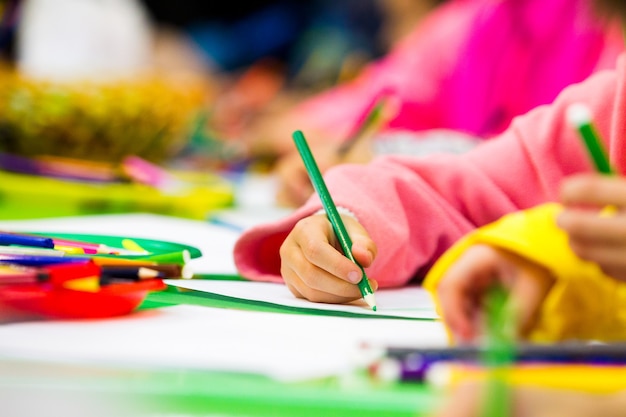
(583,304)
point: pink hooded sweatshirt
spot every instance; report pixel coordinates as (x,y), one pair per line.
(415,209)
(473,65)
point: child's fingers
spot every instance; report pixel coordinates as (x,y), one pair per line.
(597,239)
(460,291)
(591,227)
(314,235)
(364,249)
(319,286)
(293,288)
(593,189)
(314,267)
(600,253)
(527,293)
(300,289)
(610,258)
(459,312)
(373,284)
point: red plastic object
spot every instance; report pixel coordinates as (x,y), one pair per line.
(54,302)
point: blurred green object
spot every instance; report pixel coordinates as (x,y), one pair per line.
(29,388)
(499,352)
(28,196)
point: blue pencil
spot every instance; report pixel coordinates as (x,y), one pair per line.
(35,260)
(8,238)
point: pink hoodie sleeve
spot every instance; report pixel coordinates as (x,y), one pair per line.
(414,209)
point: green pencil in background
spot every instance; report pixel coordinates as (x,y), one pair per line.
(377,113)
(332,213)
(579,117)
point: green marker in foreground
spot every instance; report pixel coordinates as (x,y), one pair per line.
(332,213)
(579,117)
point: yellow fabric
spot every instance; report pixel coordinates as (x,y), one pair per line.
(581,377)
(583,304)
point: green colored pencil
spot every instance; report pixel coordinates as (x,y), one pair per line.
(372,116)
(579,117)
(332,213)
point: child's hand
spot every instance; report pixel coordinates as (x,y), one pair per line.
(293,184)
(596,238)
(314,267)
(462,289)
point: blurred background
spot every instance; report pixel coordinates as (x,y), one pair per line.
(149,98)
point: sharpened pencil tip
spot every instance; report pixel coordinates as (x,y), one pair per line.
(371,301)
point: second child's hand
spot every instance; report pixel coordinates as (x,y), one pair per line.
(593,237)
(592,218)
(294,187)
(463,289)
(293,184)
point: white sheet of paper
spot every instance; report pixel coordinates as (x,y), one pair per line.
(215,242)
(412,302)
(287,347)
